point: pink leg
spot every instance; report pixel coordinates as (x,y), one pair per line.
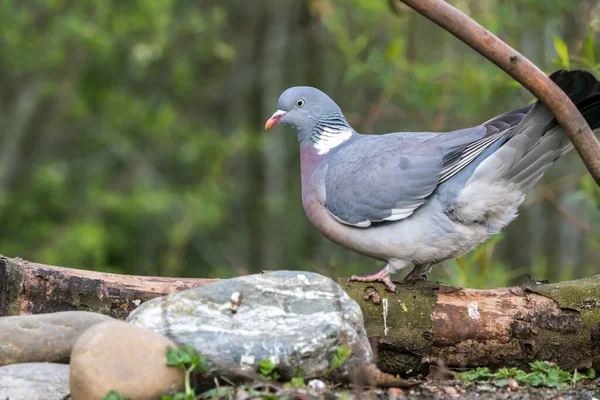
(382,276)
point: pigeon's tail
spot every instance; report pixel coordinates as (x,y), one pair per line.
(538,141)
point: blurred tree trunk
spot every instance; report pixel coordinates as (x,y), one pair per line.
(310,62)
(240,98)
(524,233)
(254,185)
(279,19)
(576,23)
(573,245)
(15,124)
(412,46)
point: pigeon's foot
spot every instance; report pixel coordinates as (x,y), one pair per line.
(415,278)
(382,276)
(418,273)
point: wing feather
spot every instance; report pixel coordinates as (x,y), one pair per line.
(378,178)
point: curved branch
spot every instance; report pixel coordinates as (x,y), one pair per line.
(522,70)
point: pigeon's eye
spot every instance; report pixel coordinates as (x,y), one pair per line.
(300,102)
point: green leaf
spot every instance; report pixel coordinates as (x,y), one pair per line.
(187,356)
(393,50)
(562,52)
(478,374)
(216,393)
(173,357)
(588,374)
(199,361)
(114,395)
(501,382)
(176,396)
(189,359)
(343,352)
(591,373)
(266,367)
(297,382)
(339,358)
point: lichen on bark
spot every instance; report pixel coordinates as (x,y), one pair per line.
(11,277)
(402,336)
(581,296)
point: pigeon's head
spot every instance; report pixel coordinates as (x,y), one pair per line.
(302,108)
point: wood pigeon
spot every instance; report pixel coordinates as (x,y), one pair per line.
(419,198)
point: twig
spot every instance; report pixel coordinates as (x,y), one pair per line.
(522,70)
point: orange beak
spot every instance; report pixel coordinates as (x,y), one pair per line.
(274,120)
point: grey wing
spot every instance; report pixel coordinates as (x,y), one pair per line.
(496,129)
(387,177)
(371,181)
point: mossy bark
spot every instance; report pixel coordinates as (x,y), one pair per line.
(399,325)
(425,323)
(31,288)
(429,323)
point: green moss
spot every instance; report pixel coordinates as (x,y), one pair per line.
(408,322)
(89,300)
(14,276)
(583,296)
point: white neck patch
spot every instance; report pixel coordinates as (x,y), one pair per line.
(331,138)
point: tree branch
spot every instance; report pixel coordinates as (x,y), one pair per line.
(522,70)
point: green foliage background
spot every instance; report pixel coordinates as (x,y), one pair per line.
(131,132)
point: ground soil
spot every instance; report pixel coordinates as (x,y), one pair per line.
(447,390)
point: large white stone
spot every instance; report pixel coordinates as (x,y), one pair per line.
(296,319)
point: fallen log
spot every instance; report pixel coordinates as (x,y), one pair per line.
(32,288)
(426,323)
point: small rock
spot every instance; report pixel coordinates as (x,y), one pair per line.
(395,393)
(115,355)
(297,320)
(317,385)
(241,394)
(450,391)
(43,337)
(34,381)
(513,385)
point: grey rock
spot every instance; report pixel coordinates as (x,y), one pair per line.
(34,381)
(295,319)
(43,337)
(317,385)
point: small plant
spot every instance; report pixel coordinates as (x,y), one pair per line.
(542,374)
(223,392)
(268,369)
(339,358)
(114,395)
(188,359)
(296,382)
(479,374)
